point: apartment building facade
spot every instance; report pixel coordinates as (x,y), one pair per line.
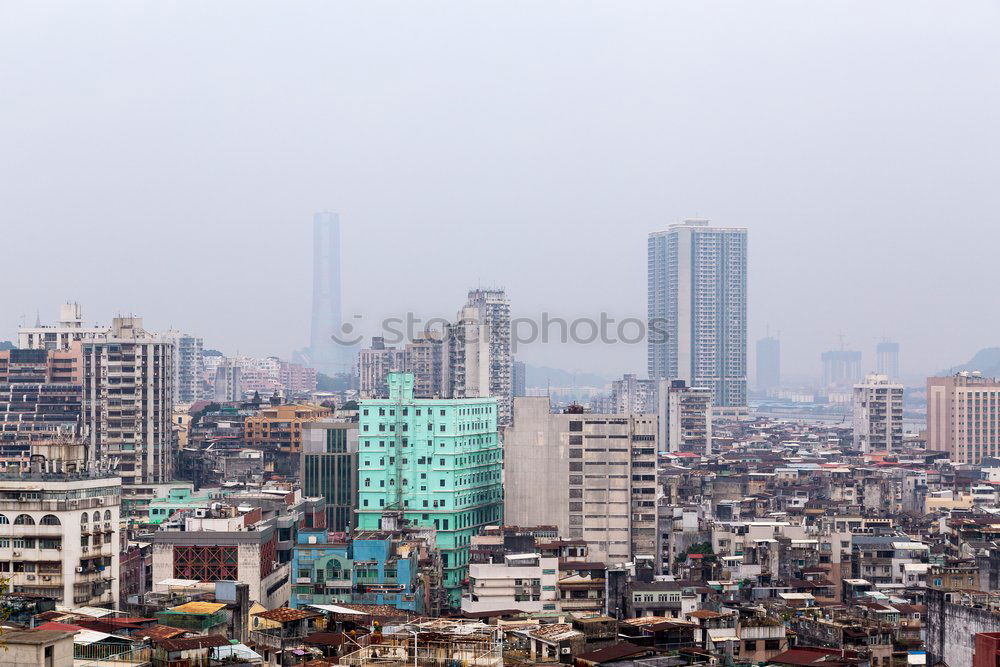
(697,308)
(494,312)
(878,415)
(593,476)
(438,461)
(40,397)
(59,525)
(963,416)
(685,417)
(128,400)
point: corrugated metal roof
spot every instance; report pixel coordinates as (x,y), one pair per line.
(198,607)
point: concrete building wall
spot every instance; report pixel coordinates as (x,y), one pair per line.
(952,628)
(40,648)
(591,475)
(536,467)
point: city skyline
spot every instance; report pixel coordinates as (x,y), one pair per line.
(652,333)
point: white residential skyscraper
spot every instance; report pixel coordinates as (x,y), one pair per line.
(697,308)
(128,398)
(189,367)
(494,312)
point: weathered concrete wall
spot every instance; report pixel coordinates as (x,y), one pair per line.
(951,629)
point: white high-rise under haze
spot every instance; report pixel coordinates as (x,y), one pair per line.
(326,355)
(697,308)
(494,312)
(878,414)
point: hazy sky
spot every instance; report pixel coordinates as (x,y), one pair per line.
(165,158)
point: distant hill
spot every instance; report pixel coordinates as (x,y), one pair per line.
(6,345)
(986,360)
(540,376)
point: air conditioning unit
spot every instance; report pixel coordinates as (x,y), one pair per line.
(100,501)
(30,577)
(16,554)
(79,570)
(46,578)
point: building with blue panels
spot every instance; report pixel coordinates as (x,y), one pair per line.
(322,569)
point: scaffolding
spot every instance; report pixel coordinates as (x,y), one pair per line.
(431,642)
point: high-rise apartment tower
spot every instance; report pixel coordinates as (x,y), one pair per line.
(697,308)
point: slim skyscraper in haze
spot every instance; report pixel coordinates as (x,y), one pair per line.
(698,308)
(326,354)
(768,363)
(887,359)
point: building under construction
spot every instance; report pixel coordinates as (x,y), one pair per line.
(431,641)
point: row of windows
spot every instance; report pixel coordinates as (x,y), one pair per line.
(47,520)
(442,412)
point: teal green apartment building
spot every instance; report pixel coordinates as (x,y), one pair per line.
(438,461)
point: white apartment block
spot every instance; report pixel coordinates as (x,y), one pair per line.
(630,395)
(526,582)
(593,476)
(128,400)
(422,357)
(374,366)
(878,415)
(228,384)
(59,533)
(189,367)
(465,359)
(494,312)
(685,417)
(69,330)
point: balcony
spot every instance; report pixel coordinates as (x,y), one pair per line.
(275,639)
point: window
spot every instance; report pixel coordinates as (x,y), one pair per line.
(24,520)
(53,520)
